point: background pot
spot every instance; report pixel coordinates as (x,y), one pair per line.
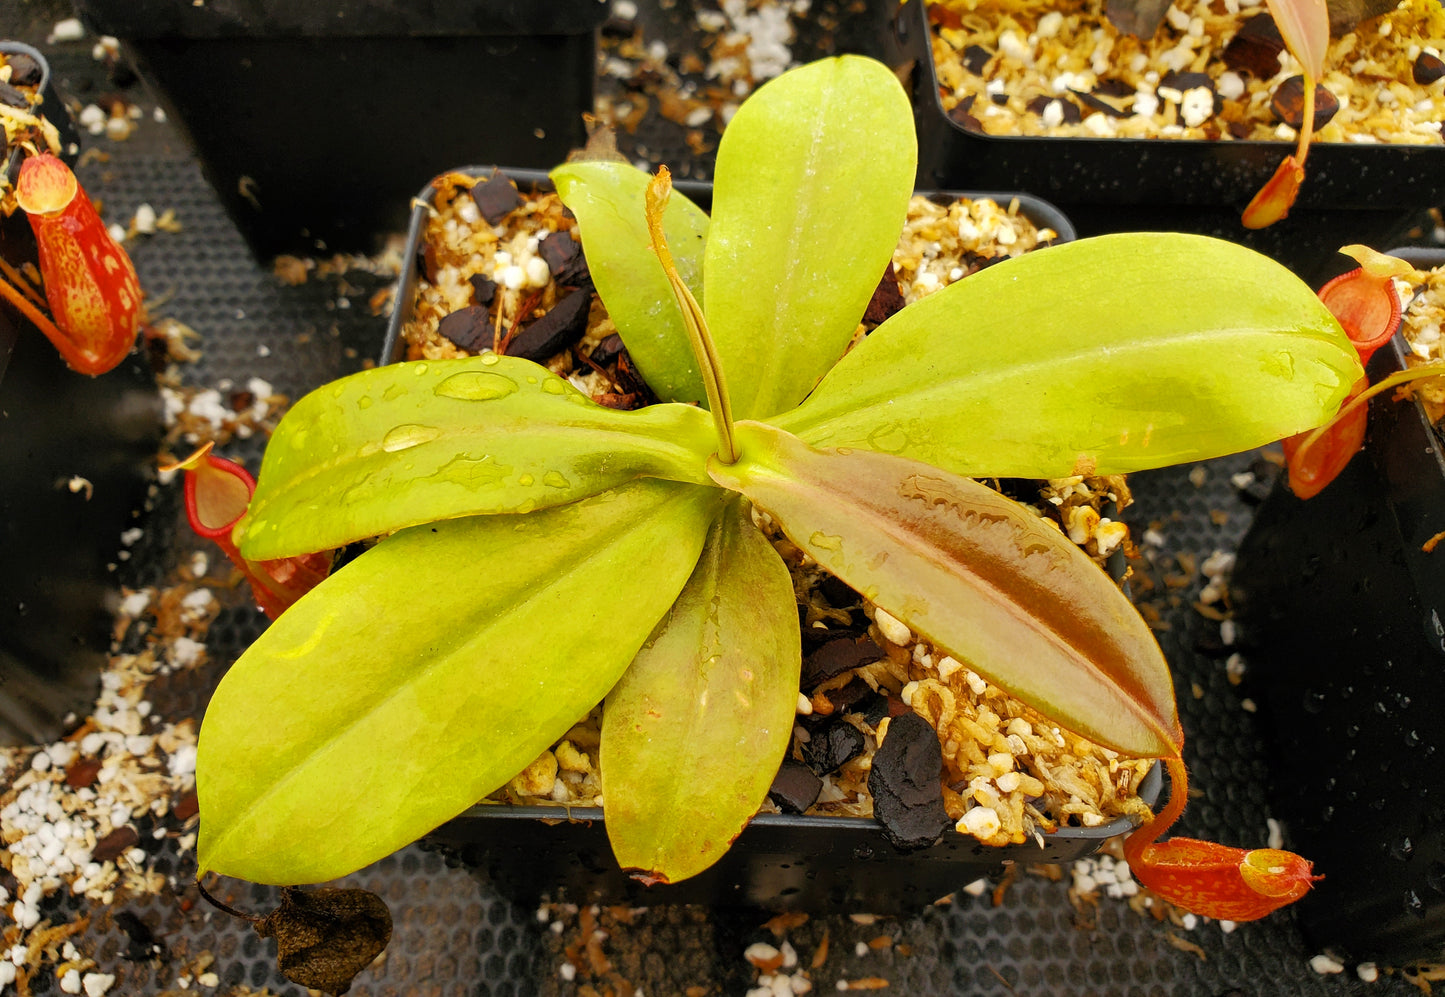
(1368,194)
(58,544)
(315,122)
(1343,615)
(779,861)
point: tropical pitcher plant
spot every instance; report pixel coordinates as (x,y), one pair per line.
(88,281)
(432,669)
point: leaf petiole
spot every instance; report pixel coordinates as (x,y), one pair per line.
(693,319)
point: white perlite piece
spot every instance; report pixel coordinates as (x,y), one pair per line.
(1325,966)
(892,630)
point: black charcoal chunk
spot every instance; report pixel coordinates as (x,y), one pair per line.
(905,781)
(837,592)
(1100,104)
(469,328)
(795,787)
(495,198)
(554,331)
(836,657)
(484,289)
(831,746)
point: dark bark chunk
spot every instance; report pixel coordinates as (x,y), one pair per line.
(1288,103)
(906,784)
(1184,82)
(495,198)
(82,772)
(12,97)
(1072,115)
(187,806)
(565,260)
(886,299)
(554,331)
(962,115)
(1110,87)
(1428,69)
(975,57)
(142,941)
(24,71)
(832,746)
(469,328)
(1140,18)
(1255,48)
(115,844)
(607,351)
(836,657)
(1100,104)
(484,289)
(795,787)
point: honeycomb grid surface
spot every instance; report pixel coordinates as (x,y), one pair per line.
(454,933)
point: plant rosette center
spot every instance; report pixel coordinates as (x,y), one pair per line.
(515,501)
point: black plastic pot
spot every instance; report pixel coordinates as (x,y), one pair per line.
(1343,615)
(315,122)
(1353,193)
(58,541)
(779,861)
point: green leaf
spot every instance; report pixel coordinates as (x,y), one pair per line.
(1106,355)
(975,573)
(694,732)
(427,673)
(812,185)
(412,443)
(607,198)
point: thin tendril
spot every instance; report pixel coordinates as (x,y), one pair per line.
(1307,127)
(1386,383)
(693,320)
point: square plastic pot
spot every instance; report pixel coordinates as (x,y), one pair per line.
(77,455)
(779,861)
(1354,193)
(1342,612)
(315,122)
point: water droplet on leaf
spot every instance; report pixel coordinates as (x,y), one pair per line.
(476,386)
(555,479)
(405,437)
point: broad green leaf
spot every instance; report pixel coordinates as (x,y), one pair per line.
(976,574)
(1305,27)
(427,673)
(1106,355)
(607,198)
(417,442)
(812,185)
(693,733)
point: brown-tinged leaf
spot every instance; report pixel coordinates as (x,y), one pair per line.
(694,731)
(979,575)
(325,937)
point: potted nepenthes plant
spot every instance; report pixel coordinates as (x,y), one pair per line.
(1166,129)
(294,109)
(1341,597)
(79,414)
(542,553)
